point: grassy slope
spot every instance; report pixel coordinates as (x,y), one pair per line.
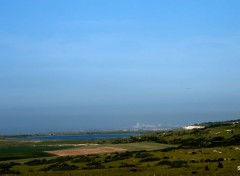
(229,154)
(150,168)
(13,150)
(149,146)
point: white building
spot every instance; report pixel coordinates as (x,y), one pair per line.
(193,127)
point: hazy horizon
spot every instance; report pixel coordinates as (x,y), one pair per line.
(78,65)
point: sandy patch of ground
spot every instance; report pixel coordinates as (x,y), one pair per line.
(87,151)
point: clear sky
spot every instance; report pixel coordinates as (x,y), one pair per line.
(69,65)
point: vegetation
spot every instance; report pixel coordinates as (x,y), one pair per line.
(213,150)
(25,151)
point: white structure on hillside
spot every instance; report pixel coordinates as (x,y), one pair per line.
(193,127)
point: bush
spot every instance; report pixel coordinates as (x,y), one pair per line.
(150,159)
(193,161)
(9,172)
(220,159)
(127,165)
(220,165)
(59,167)
(178,164)
(142,155)
(119,156)
(133,170)
(210,161)
(36,162)
(164,162)
(92,166)
(61,159)
(81,159)
(94,163)
(5,168)
(165,157)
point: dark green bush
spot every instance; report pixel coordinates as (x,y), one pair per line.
(36,162)
(81,159)
(5,168)
(142,155)
(127,165)
(150,159)
(164,162)
(178,164)
(59,167)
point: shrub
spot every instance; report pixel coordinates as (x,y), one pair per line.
(220,159)
(165,157)
(164,162)
(193,161)
(119,156)
(81,159)
(59,167)
(127,165)
(178,164)
(94,163)
(9,172)
(142,155)
(5,168)
(94,167)
(209,160)
(150,159)
(36,162)
(61,159)
(220,165)
(133,170)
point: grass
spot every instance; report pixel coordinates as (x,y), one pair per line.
(22,150)
(26,152)
(180,161)
(151,168)
(148,146)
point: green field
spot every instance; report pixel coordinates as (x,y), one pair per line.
(21,152)
(31,150)
(148,146)
(177,162)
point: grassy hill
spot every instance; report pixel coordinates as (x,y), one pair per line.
(213,150)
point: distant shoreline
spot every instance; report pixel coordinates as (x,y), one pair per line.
(76,133)
(59,137)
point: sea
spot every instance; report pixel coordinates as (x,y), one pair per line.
(75,137)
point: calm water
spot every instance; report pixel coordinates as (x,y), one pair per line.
(78,137)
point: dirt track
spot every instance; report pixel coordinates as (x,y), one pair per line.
(86,151)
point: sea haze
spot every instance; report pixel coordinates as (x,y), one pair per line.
(83,65)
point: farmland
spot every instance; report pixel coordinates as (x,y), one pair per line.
(214,150)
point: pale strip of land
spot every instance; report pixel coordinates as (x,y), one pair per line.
(110,148)
(86,151)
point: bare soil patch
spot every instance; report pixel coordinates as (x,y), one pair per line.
(86,151)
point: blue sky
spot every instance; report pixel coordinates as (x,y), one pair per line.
(91,64)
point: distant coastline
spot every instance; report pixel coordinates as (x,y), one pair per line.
(89,136)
